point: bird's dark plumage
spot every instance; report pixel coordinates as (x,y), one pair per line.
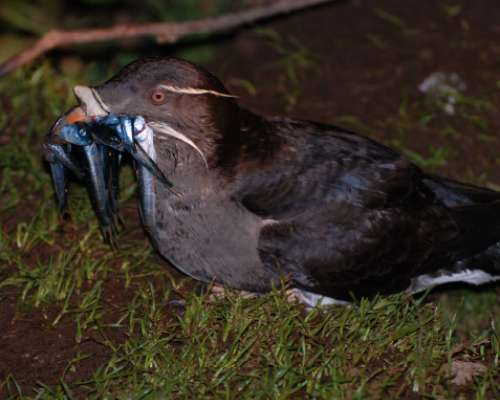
(262,199)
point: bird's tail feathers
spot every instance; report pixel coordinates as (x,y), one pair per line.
(479,228)
(478,246)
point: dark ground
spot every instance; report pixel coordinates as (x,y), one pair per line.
(357,64)
(365,64)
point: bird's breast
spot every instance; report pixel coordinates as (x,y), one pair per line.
(211,238)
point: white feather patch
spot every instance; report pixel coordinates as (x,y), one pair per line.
(167,130)
(192,90)
(266,222)
(471,276)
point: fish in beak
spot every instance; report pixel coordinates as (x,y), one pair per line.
(93,133)
(121,134)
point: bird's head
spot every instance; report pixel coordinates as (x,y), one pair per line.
(179,101)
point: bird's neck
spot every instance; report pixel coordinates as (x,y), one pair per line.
(181,164)
(249,141)
(254,141)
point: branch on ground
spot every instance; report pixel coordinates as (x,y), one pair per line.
(164,33)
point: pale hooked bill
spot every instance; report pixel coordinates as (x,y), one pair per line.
(92,101)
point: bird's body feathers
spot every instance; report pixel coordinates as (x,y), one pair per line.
(259,201)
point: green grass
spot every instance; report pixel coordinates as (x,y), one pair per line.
(228,348)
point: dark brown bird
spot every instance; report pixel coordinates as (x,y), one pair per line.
(258,200)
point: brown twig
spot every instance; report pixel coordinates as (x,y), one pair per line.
(168,32)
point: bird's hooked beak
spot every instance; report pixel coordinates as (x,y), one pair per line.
(91,106)
(90,101)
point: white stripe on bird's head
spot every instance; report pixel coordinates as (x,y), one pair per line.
(195,91)
(165,131)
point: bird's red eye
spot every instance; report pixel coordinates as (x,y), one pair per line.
(158,97)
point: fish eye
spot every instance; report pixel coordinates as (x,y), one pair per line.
(158,97)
